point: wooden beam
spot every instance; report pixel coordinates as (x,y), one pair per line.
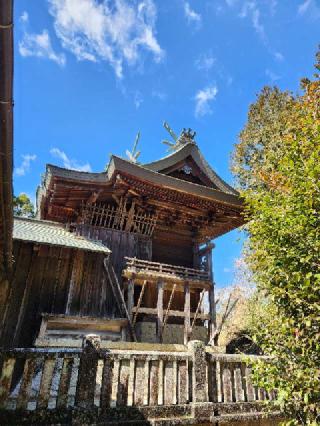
(171,313)
(139,303)
(94,196)
(160,312)
(186,313)
(169,305)
(197,310)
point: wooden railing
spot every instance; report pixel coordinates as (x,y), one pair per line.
(33,379)
(174,271)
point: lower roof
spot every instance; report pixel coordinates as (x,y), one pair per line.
(53,234)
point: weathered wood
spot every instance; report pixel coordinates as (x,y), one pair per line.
(74,287)
(186,334)
(130,302)
(169,306)
(160,312)
(212,310)
(139,303)
(118,295)
(197,310)
(171,313)
(27,289)
(136,266)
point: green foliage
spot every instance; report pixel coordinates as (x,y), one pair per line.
(278,168)
(22,206)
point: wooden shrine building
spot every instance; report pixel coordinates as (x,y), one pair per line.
(124,254)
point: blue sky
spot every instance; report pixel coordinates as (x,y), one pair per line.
(90,74)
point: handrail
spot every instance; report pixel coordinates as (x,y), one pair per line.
(164,268)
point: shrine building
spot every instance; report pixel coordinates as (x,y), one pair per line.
(125,254)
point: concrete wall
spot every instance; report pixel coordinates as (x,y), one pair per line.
(173,333)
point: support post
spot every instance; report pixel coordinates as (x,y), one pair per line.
(130,301)
(160,312)
(186,313)
(212,302)
(213,321)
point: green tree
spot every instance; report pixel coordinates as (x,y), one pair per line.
(22,206)
(277,165)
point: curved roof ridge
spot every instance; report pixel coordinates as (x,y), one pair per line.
(192,149)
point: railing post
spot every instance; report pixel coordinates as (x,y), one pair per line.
(199,371)
(87,372)
(202,409)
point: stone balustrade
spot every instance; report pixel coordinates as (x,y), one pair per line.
(147,385)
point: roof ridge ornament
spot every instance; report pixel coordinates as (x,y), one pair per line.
(185,137)
(134,154)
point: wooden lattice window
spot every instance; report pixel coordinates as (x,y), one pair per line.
(120,217)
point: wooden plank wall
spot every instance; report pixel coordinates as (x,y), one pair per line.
(120,243)
(41,284)
(167,247)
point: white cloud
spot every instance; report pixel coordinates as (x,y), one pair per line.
(250,10)
(304,6)
(205,62)
(279,56)
(100,31)
(25,165)
(38,45)
(69,163)
(192,16)
(310,7)
(159,94)
(272,76)
(24,18)
(138,99)
(203,98)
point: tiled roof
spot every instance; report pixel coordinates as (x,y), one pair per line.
(52,233)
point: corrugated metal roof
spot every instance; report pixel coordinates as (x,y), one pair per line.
(52,233)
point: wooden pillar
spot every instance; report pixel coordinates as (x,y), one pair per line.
(212,313)
(212,302)
(130,301)
(186,334)
(160,312)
